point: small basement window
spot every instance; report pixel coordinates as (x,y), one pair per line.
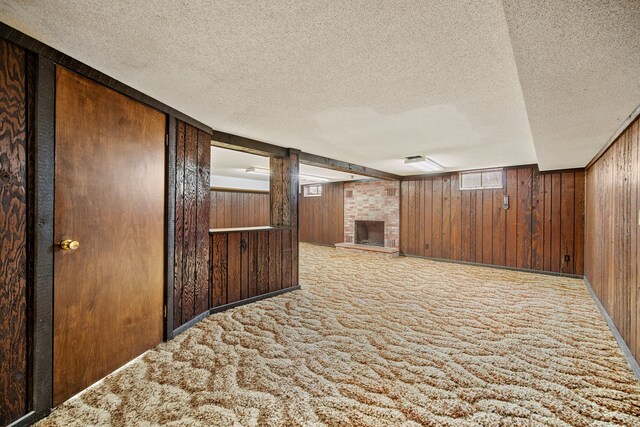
(481,180)
(312,190)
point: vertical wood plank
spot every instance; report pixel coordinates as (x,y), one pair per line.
(286,258)
(234,266)
(253,262)
(547,219)
(523,232)
(479,226)
(579,222)
(487,216)
(499,228)
(404,217)
(275,261)
(446,217)
(203,204)
(537,222)
(436,232)
(244,265)
(567,220)
(556,198)
(427,219)
(219,270)
(13,233)
(263,262)
(456,217)
(511,236)
(468,221)
(179,220)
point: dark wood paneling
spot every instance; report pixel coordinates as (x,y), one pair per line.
(322,217)
(111,314)
(328,163)
(245,264)
(191,254)
(13,233)
(544,221)
(612,232)
(246,209)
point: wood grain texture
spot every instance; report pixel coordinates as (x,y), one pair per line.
(111,314)
(202,284)
(612,232)
(441,221)
(246,264)
(248,209)
(192,287)
(13,234)
(322,218)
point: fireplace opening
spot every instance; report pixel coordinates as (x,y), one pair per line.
(370,233)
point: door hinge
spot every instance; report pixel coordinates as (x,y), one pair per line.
(166,140)
(165,311)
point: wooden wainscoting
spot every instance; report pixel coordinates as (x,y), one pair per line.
(544,222)
(613,233)
(234,209)
(322,217)
(246,264)
(191,279)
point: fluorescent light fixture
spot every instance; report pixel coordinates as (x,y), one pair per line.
(258,171)
(304,177)
(422,163)
(313,178)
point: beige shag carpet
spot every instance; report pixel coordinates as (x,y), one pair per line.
(376,341)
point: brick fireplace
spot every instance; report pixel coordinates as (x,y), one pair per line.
(372,213)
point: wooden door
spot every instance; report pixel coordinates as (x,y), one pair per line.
(109,196)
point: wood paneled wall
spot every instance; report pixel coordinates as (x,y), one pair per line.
(613,233)
(544,222)
(250,263)
(191,279)
(13,234)
(247,264)
(322,218)
(232,209)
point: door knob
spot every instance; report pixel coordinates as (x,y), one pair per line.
(69,245)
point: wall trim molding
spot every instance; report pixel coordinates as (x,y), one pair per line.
(25,420)
(621,129)
(189,324)
(253,299)
(501,267)
(626,352)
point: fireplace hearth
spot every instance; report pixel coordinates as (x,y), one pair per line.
(369,233)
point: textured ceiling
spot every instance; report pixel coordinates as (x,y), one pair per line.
(370,82)
(579,66)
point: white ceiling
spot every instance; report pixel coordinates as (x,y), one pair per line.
(467,83)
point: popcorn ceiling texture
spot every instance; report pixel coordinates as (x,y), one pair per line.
(373,341)
(373,201)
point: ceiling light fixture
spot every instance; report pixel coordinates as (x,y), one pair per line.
(422,163)
(304,177)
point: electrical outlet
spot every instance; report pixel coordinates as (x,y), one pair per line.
(567,258)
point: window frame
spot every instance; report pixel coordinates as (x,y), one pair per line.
(481,172)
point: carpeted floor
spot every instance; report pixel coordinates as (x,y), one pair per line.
(375,341)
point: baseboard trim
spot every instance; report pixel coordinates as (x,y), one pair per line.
(633,364)
(189,324)
(253,299)
(502,267)
(26,420)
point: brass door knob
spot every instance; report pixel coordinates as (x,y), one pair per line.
(69,245)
